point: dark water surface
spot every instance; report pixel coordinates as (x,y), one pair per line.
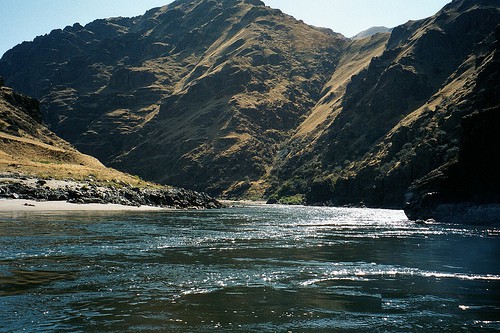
(246,269)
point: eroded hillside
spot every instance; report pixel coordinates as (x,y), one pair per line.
(35,164)
(197,93)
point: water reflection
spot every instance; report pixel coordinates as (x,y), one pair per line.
(248,269)
(19,281)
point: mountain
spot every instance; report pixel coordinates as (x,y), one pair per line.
(36,164)
(28,147)
(400,117)
(370,32)
(197,93)
(240,99)
(464,190)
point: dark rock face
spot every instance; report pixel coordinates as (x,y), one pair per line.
(465,190)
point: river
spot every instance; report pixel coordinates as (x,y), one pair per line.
(246,269)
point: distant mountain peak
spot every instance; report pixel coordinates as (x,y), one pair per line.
(370,32)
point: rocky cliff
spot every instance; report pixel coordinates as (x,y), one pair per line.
(464,190)
(240,99)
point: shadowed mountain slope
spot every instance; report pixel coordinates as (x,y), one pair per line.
(399,118)
(28,147)
(35,164)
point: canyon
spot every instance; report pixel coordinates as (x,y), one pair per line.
(243,101)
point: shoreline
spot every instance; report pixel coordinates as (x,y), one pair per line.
(243,202)
(104,195)
(22,205)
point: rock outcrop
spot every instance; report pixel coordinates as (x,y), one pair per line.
(96,192)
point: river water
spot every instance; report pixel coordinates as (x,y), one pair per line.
(246,269)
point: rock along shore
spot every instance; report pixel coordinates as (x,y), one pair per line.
(94,192)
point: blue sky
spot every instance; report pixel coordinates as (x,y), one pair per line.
(23,20)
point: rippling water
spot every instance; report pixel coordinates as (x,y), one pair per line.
(246,269)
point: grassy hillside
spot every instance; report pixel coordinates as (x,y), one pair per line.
(30,149)
(197,93)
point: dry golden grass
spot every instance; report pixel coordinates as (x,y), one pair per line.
(29,157)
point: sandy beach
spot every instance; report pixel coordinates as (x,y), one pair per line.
(9,205)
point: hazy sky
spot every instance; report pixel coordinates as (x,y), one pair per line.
(23,20)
